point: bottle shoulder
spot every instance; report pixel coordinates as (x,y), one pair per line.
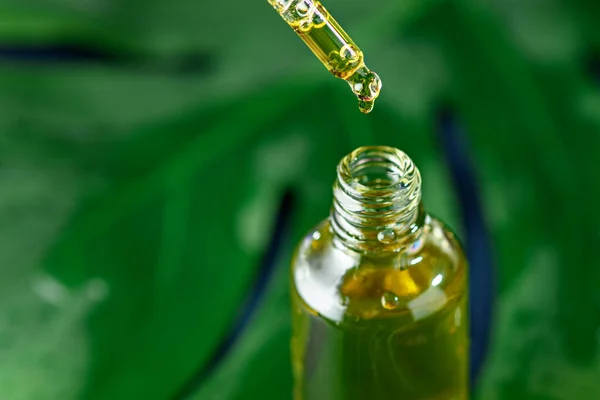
(338,283)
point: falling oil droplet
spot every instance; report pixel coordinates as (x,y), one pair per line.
(366,107)
(386,236)
(389,301)
(366,85)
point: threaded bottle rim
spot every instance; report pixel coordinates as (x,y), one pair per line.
(377,196)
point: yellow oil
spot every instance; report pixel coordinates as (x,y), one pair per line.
(380,325)
(336,50)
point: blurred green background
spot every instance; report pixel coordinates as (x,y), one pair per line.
(160,159)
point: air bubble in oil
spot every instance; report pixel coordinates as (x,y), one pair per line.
(386,236)
(389,300)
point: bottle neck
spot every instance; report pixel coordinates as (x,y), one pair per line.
(377,200)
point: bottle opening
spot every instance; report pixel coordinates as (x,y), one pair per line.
(370,168)
(375,173)
(376,198)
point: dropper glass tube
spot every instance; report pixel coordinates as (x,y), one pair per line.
(332,45)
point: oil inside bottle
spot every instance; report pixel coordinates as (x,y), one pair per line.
(381,332)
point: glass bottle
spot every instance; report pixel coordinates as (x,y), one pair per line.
(379,291)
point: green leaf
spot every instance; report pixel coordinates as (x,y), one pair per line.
(137,200)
